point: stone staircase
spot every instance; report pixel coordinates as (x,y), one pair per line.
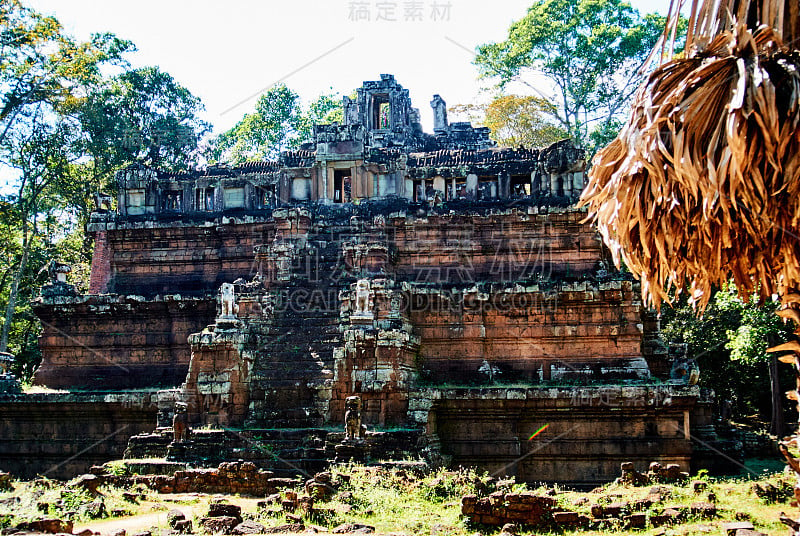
(292,371)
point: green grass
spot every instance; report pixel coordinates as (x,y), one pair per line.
(397,501)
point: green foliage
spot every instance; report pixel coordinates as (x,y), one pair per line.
(264,133)
(279,123)
(728,342)
(760,329)
(516,120)
(142,115)
(589,50)
(326,109)
(71,113)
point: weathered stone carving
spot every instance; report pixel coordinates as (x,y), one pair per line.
(6,361)
(363,302)
(58,285)
(352,419)
(180,425)
(350,108)
(102,202)
(439,113)
(228,301)
(58,272)
(684,369)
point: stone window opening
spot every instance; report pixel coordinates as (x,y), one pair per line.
(204,199)
(560,186)
(457,189)
(341,185)
(424,190)
(520,186)
(266,196)
(381,112)
(234,197)
(487,188)
(172,201)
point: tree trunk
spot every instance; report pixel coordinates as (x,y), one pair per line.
(791,311)
(12,295)
(776,425)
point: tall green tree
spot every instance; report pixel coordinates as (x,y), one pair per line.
(516,120)
(41,153)
(327,108)
(280,122)
(589,51)
(39,64)
(271,128)
(142,115)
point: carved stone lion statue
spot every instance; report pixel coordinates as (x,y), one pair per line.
(227,297)
(363,305)
(352,418)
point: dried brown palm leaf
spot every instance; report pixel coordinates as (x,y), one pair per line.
(703,182)
(705,175)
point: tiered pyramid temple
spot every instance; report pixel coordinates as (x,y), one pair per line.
(450,284)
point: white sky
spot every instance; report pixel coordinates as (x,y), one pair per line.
(227,51)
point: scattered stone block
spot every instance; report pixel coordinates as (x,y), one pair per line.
(119,532)
(509,528)
(704,509)
(748,532)
(218,524)
(565,519)
(173,516)
(346,528)
(731,528)
(248,527)
(290,527)
(88,483)
(183,526)
(5,482)
(50,526)
(223,509)
(635,521)
(94,510)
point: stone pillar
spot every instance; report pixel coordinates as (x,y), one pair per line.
(503,185)
(472,185)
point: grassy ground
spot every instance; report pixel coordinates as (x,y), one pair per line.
(396,501)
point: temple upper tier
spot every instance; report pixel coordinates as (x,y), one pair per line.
(380,150)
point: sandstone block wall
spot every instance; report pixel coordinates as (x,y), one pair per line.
(62,435)
(113,342)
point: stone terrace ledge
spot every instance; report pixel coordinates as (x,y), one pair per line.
(61,434)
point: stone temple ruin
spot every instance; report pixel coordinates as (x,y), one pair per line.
(449,284)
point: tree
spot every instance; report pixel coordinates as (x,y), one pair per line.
(41,65)
(729,343)
(279,123)
(263,134)
(142,115)
(702,184)
(325,109)
(760,329)
(516,120)
(590,51)
(41,155)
